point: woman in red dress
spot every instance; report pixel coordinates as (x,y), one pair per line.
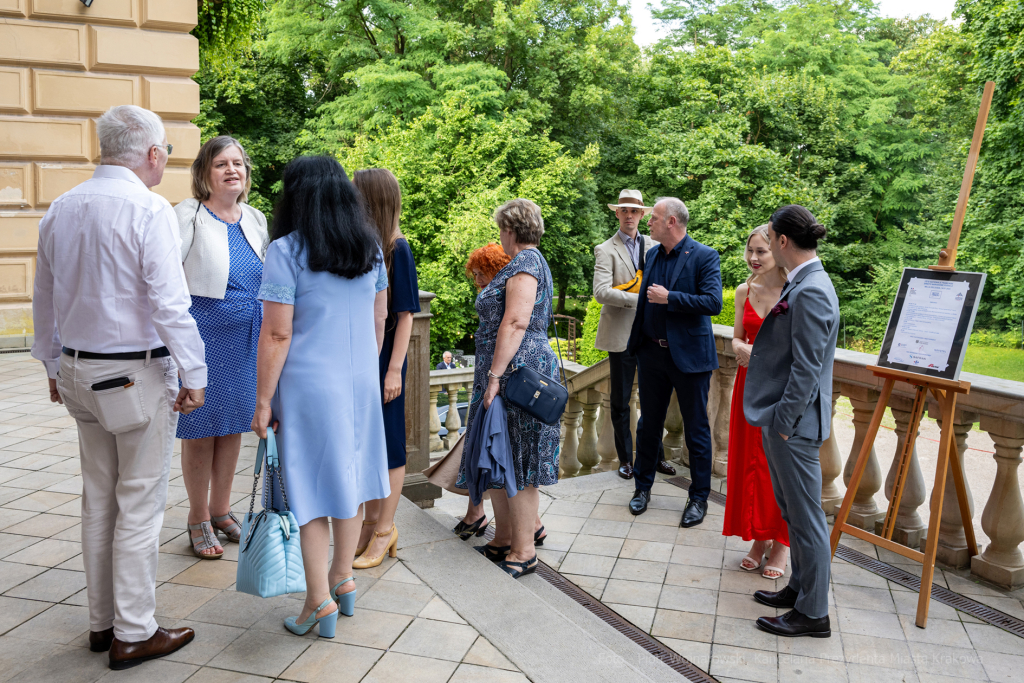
(750,509)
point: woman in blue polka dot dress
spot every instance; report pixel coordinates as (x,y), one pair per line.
(223,242)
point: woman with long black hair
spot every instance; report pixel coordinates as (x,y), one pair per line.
(325,301)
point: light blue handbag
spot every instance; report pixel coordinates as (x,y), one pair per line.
(269,557)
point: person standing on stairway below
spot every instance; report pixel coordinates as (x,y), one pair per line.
(789,395)
(382,198)
(618,262)
(675,348)
(750,510)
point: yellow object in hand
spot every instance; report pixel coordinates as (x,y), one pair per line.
(633,286)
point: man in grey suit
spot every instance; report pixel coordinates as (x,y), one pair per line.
(789,395)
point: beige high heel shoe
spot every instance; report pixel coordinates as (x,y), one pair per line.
(366,562)
(360,551)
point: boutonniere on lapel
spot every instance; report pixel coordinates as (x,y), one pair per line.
(780,308)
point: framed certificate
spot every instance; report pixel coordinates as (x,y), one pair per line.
(931,322)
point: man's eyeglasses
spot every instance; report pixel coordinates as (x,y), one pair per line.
(169,147)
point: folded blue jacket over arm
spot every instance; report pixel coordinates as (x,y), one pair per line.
(488,453)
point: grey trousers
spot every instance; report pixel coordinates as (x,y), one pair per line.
(125,440)
(796,481)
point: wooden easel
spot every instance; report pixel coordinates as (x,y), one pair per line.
(945,392)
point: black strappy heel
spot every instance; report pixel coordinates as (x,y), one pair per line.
(494,553)
(517,569)
(539,536)
(467,531)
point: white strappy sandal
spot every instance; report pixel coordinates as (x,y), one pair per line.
(204,542)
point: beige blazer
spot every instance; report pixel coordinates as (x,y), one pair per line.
(204,246)
(613,266)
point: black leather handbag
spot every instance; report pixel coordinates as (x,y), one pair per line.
(541,397)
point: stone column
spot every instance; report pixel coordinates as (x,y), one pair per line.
(864,512)
(1003,517)
(417,393)
(453,422)
(567,460)
(434,420)
(587,453)
(952,548)
(722,416)
(673,441)
(910,528)
(605,433)
(831,464)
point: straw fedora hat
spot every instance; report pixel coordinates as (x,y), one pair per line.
(631,199)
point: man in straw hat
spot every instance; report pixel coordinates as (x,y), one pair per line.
(618,267)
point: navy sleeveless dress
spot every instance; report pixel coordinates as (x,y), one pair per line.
(230,328)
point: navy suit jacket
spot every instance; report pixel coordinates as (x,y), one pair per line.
(694,296)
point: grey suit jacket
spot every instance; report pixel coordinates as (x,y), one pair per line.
(613,266)
(789,380)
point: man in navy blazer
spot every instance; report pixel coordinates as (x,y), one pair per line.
(675,348)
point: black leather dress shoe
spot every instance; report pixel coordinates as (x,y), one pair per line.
(783,598)
(638,505)
(626,471)
(793,624)
(99,641)
(693,513)
(665,468)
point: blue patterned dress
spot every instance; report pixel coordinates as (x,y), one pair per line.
(534,444)
(230,328)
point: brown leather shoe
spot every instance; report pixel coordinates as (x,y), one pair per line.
(665,468)
(626,471)
(165,641)
(99,641)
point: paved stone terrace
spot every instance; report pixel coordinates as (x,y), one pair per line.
(442,613)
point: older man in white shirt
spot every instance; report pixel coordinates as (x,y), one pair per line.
(111,323)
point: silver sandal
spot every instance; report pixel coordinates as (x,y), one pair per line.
(205,542)
(232,531)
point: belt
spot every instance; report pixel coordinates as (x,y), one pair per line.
(663,343)
(162,352)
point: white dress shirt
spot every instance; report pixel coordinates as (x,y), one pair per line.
(792,274)
(109,276)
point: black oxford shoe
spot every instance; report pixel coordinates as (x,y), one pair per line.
(792,624)
(665,468)
(638,505)
(694,513)
(626,471)
(99,641)
(783,598)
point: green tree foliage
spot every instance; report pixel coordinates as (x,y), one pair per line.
(743,106)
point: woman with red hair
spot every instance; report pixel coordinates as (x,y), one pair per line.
(485,262)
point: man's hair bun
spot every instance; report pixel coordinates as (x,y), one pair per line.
(799,225)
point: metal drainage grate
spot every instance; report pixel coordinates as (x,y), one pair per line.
(3,351)
(656,648)
(905,579)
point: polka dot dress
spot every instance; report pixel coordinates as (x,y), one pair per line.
(230,328)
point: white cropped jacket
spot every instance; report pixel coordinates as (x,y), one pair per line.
(204,246)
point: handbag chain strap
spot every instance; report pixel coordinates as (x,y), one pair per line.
(278,471)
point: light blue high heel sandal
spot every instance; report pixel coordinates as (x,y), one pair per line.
(328,622)
(346,601)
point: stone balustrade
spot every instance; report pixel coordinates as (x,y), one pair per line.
(996,405)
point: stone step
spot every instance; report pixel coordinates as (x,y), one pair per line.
(548,636)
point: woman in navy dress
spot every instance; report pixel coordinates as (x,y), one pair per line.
(383,201)
(223,242)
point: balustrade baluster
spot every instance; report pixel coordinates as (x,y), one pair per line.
(864,512)
(606,433)
(453,422)
(568,461)
(673,441)
(910,528)
(587,454)
(1003,517)
(634,410)
(952,548)
(831,461)
(434,421)
(720,419)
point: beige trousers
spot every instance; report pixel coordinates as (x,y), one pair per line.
(125,441)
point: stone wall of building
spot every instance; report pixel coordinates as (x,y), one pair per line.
(61,66)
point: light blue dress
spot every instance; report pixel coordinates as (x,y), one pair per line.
(331,437)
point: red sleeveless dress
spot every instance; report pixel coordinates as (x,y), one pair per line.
(750,508)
